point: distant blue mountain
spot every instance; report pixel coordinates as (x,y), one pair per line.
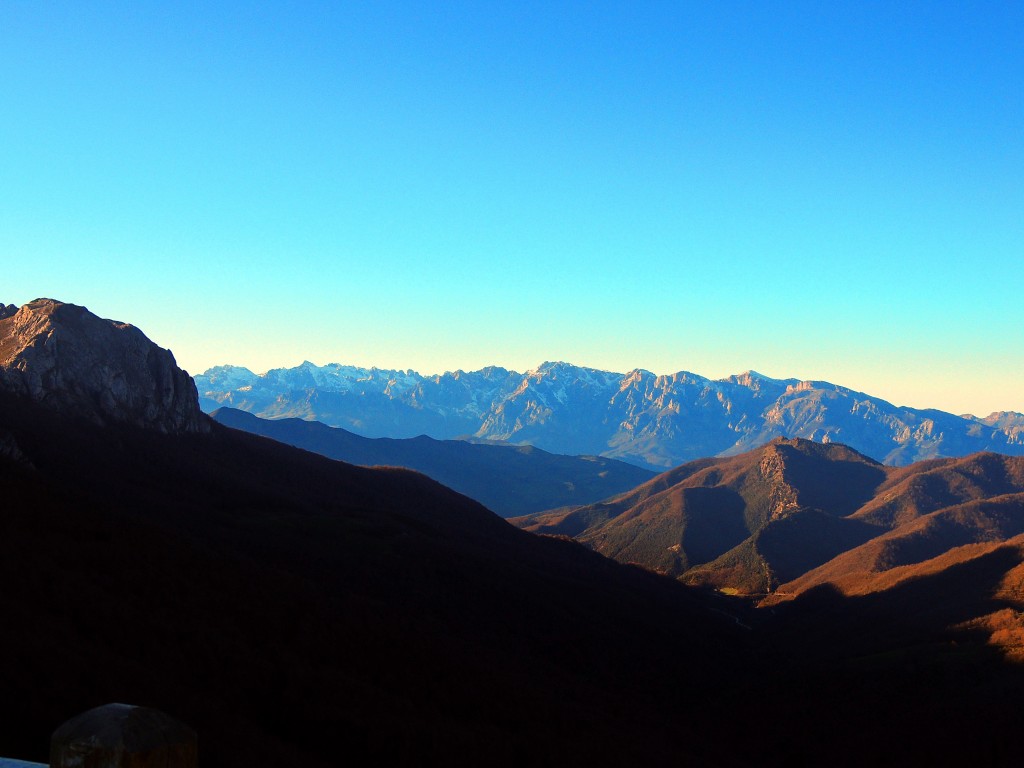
(510,480)
(648,420)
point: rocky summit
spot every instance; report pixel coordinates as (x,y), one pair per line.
(69,360)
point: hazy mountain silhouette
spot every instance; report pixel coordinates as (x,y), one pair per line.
(652,421)
(509,480)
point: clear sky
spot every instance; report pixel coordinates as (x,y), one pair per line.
(819,190)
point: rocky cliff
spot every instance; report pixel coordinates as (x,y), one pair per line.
(68,359)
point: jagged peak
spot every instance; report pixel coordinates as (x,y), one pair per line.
(228,368)
(750,375)
(685,377)
(999,418)
(489,370)
(753,380)
(560,367)
(551,366)
(636,376)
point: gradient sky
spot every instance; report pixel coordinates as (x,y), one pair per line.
(819,190)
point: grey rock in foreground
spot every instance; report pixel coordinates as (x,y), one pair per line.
(123,736)
(68,359)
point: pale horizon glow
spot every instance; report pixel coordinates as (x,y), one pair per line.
(814,192)
(900,387)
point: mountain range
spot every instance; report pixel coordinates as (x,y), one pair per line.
(509,480)
(795,515)
(652,421)
(298,610)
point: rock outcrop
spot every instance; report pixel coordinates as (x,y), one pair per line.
(68,359)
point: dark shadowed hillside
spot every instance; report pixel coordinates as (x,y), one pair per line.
(510,480)
(302,611)
(291,606)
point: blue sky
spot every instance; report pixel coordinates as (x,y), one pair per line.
(820,190)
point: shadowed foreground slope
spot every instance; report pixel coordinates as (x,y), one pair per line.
(298,611)
(294,609)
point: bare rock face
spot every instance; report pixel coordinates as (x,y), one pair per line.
(123,736)
(66,358)
(9,449)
